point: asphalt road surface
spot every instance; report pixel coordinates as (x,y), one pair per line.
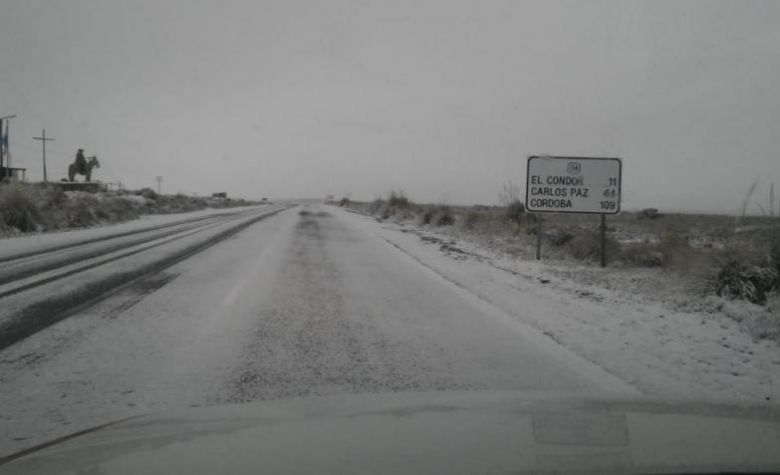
(299,303)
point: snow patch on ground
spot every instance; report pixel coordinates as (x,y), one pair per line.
(663,345)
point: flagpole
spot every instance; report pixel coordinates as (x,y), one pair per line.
(8,143)
(2,151)
(4,145)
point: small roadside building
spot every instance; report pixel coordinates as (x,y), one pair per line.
(13,174)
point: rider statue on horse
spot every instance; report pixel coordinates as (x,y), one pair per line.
(82,166)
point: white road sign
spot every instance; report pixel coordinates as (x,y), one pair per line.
(573,185)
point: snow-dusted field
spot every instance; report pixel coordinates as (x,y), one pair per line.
(658,348)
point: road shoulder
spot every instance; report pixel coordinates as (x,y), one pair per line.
(662,352)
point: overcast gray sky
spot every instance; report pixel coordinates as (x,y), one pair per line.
(445,99)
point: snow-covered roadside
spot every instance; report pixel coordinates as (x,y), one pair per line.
(664,352)
(47,297)
(32,242)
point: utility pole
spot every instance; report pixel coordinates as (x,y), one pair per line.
(159,179)
(43,140)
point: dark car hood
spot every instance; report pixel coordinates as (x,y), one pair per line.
(444,432)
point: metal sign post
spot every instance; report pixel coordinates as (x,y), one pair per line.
(587,185)
(603,240)
(539,238)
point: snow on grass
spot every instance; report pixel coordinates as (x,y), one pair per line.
(660,342)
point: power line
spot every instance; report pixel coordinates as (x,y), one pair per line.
(43,140)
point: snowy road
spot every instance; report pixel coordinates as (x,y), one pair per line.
(42,285)
(299,303)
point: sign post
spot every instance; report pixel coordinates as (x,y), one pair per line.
(587,185)
(539,238)
(603,240)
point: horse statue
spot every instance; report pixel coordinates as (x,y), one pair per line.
(85,169)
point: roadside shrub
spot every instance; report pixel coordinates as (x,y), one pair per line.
(642,255)
(52,196)
(232,202)
(559,237)
(475,217)
(774,250)
(102,214)
(649,213)
(675,249)
(436,215)
(427,216)
(444,216)
(509,197)
(180,203)
(83,210)
(375,206)
(515,211)
(533,223)
(18,207)
(147,193)
(398,199)
(119,209)
(771,324)
(535,228)
(78,217)
(344,202)
(587,246)
(749,282)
